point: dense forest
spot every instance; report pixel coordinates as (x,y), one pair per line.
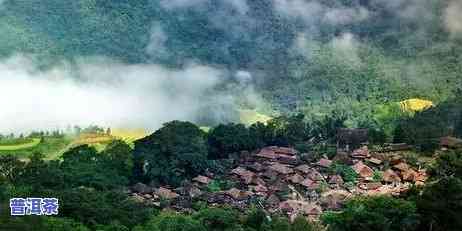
(186,70)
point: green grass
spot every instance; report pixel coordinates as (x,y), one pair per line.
(18,144)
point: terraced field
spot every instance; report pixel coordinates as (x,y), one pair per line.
(415,105)
(129,135)
(51,147)
(28,143)
(93,138)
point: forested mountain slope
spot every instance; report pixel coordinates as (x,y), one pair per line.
(310,56)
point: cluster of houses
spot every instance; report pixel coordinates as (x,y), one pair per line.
(279,181)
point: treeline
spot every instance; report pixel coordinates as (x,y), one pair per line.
(59,133)
(182,150)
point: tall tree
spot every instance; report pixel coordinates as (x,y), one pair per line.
(175,152)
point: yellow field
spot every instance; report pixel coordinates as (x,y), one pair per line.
(415,105)
(249,117)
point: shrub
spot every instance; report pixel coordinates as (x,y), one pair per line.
(378,176)
(323,186)
(301,223)
(412,158)
(214,186)
(199,205)
(347,172)
(217,185)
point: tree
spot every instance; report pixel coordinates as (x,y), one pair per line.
(93,207)
(219,219)
(448,164)
(63,224)
(298,130)
(42,175)
(441,205)
(374,213)
(230,138)
(261,133)
(281,224)
(84,166)
(257,219)
(119,156)
(175,152)
(113,226)
(281,131)
(440,202)
(10,168)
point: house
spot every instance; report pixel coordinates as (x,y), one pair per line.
(351,138)
(450,142)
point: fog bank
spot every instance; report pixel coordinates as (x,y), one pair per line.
(105,93)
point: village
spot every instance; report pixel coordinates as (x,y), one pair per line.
(281,180)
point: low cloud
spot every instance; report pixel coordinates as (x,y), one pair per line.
(343,16)
(308,11)
(175,4)
(156,47)
(453,18)
(313,12)
(249,96)
(104,93)
(417,13)
(239,5)
(305,46)
(346,48)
